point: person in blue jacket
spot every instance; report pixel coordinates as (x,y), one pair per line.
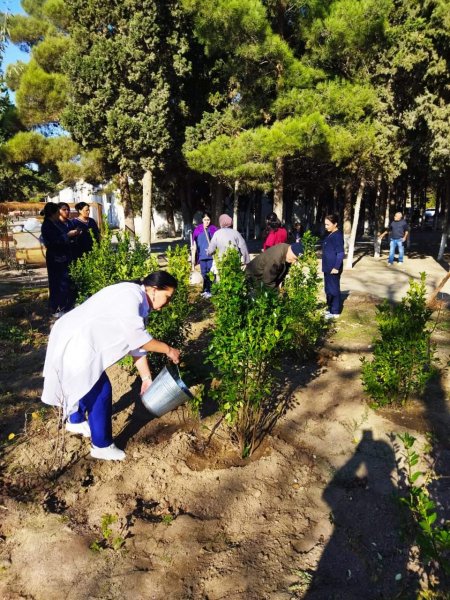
(202,236)
(332,260)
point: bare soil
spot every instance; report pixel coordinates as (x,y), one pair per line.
(312,514)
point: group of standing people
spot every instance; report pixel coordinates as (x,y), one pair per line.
(272,265)
(65,240)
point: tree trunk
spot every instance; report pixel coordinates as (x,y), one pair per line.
(351,248)
(347,220)
(258,218)
(446,220)
(146,233)
(248,212)
(171,229)
(378,211)
(278,188)
(185,195)
(217,200)
(125,198)
(235,204)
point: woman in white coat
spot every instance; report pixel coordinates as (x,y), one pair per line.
(92,337)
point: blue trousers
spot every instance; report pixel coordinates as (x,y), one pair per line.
(333,292)
(392,246)
(97,403)
(205,267)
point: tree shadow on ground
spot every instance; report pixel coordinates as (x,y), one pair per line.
(365,556)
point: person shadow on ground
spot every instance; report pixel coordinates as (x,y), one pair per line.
(366,556)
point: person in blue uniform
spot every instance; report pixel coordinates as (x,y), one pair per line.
(85,224)
(332,261)
(57,237)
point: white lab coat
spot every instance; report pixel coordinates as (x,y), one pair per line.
(90,338)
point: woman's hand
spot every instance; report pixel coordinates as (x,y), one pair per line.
(334,271)
(145,385)
(73,232)
(174,355)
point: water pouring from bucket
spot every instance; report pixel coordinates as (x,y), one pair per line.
(167,392)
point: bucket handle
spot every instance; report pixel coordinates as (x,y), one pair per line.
(171,365)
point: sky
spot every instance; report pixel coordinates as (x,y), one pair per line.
(12,52)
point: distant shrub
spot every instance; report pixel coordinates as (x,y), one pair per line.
(403,355)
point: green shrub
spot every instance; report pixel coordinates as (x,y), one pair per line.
(250,332)
(403,355)
(129,259)
(432,538)
(302,287)
(110,263)
(171,324)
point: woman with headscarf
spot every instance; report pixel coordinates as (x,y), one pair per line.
(202,237)
(227,237)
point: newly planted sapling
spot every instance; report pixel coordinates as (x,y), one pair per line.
(251,330)
(431,536)
(109,538)
(301,289)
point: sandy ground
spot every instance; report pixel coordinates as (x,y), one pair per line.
(310,515)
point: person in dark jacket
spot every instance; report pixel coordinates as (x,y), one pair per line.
(271,267)
(85,224)
(332,260)
(57,238)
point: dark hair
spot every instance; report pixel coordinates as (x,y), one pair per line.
(63,204)
(273,222)
(80,206)
(332,218)
(206,214)
(161,280)
(49,210)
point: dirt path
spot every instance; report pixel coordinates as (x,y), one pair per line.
(311,515)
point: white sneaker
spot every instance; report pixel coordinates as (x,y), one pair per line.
(108,453)
(207,295)
(79,428)
(331,316)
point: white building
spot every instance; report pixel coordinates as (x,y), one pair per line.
(112,207)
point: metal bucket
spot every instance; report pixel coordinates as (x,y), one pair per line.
(166,392)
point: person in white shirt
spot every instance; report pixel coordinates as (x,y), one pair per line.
(92,337)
